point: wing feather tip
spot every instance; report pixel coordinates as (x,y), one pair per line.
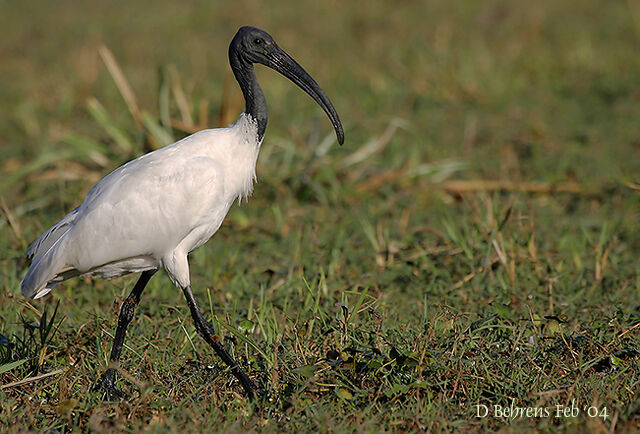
(28,290)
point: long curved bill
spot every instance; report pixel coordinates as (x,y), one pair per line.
(280,61)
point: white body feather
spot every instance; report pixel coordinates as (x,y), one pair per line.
(151,212)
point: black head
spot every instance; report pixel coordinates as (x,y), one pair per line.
(251,45)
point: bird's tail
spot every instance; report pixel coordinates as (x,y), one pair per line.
(44,274)
(48,266)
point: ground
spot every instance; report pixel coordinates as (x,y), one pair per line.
(467,260)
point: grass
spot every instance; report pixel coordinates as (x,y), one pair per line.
(473,245)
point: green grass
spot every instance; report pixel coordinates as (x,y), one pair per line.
(366,290)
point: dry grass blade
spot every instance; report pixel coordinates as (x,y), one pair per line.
(67,171)
(375,145)
(157,135)
(164,104)
(13,223)
(473,274)
(36,164)
(101,116)
(181,126)
(88,148)
(384,178)
(634,8)
(184,106)
(436,172)
(633,186)
(628,330)
(122,83)
(479,185)
(203,113)
(32,379)
(467,278)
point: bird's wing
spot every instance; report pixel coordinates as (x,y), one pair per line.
(49,239)
(170,155)
(147,210)
(52,235)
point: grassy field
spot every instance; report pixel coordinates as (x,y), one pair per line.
(468,260)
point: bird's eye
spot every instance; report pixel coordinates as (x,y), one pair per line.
(258,41)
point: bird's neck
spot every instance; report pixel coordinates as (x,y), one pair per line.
(255,103)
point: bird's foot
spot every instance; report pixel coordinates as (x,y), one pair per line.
(106,386)
(112,394)
(254,390)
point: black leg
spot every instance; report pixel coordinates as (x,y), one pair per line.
(107,383)
(206,331)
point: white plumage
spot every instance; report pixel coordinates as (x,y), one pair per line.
(151,212)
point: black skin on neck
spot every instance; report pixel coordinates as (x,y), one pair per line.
(255,103)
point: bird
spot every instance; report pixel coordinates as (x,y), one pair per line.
(151,212)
